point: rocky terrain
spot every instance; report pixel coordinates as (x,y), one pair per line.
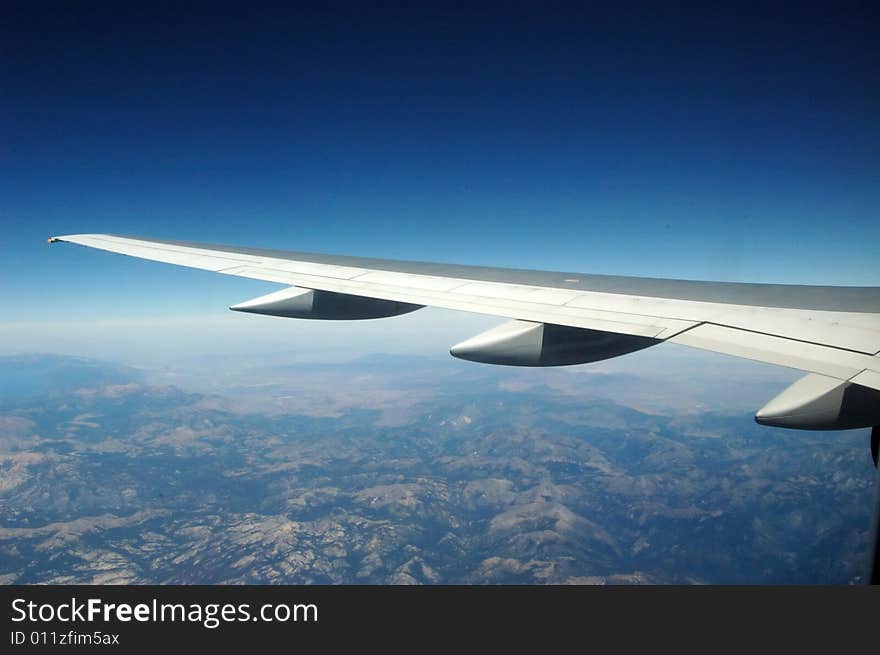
(391,471)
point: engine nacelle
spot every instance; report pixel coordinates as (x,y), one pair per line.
(818,402)
(524,343)
(295,302)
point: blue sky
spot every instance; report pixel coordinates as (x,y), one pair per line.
(707,143)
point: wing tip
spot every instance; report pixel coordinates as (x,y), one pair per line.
(72,238)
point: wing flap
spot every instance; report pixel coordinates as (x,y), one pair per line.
(870,377)
(825,360)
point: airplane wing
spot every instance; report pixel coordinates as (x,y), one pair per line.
(555,319)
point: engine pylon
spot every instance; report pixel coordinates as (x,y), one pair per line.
(524,343)
(295,302)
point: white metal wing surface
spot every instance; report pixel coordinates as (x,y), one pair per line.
(569,318)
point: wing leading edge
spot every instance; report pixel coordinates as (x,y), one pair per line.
(566,318)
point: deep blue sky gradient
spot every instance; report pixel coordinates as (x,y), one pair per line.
(687,141)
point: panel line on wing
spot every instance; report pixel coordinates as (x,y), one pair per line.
(789,338)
